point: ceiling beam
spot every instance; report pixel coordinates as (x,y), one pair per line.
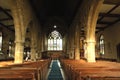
(5,19)
(6,13)
(100,28)
(108,12)
(10,25)
(8,10)
(112,2)
(104,22)
(109,15)
(7,27)
(112,23)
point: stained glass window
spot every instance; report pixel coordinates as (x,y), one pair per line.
(55,41)
(101,44)
(0,41)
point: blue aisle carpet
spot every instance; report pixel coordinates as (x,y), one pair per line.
(55,73)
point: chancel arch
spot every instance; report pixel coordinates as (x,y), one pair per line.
(91,11)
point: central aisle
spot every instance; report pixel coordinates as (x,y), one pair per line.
(55,71)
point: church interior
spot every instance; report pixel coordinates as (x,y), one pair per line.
(59,40)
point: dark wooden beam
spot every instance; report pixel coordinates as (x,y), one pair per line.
(6,13)
(5,19)
(108,12)
(112,2)
(109,15)
(103,22)
(112,23)
(10,25)
(8,10)
(100,28)
(96,32)
(6,27)
(109,25)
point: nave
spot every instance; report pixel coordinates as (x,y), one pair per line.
(55,71)
(51,70)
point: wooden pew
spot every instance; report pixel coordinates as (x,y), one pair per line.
(81,71)
(101,75)
(32,70)
(17,76)
(18,73)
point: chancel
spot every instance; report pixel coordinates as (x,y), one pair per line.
(59,40)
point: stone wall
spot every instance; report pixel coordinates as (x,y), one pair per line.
(112,39)
(7,35)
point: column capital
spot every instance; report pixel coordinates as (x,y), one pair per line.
(19,41)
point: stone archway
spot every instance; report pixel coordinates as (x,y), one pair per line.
(22,15)
(88,20)
(27,44)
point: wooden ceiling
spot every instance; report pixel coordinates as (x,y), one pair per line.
(108,16)
(6,20)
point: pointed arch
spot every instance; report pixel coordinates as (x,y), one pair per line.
(0,41)
(101,44)
(55,41)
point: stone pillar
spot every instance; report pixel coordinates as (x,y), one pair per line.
(93,11)
(39,48)
(70,42)
(64,43)
(19,52)
(69,46)
(39,54)
(77,43)
(20,30)
(33,41)
(88,20)
(91,51)
(33,53)
(40,42)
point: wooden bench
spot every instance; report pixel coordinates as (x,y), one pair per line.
(76,70)
(17,76)
(101,75)
(18,73)
(32,70)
